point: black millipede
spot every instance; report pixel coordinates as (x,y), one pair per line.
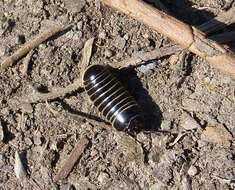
(112,99)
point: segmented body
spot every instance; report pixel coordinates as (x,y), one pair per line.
(112,99)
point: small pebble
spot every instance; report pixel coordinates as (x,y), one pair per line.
(102,35)
(1,132)
(166,125)
(158,186)
(94,152)
(79,25)
(103,177)
(147,68)
(187,122)
(20,39)
(28,141)
(126,36)
(108,53)
(37,139)
(66,187)
(173,59)
(192,171)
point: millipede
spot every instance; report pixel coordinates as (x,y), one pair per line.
(112,99)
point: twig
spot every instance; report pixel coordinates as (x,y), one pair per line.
(221,21)
(180,135)
(146,56)
(185,35)
(36,96)
(72,159)
(28,46)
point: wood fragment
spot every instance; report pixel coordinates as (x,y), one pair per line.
(146,56)
(86,52)
(72,159)
(221,21)
(19,169)
(29,46)
(187,36)
(26,62)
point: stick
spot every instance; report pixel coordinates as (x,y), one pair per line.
(146,56)
(72,159)
(183,34)
(219,22)
(28,46)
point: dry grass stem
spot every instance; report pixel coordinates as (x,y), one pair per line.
(29,46)
(72,159)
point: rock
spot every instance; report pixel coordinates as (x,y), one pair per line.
(166,125)
(192,171)
(119,42)
(108,53)
(187,122)
(37,139)
(1,132)
(75,6)
(218,135)
(80,25)
(103,177)
(158,186)
(66,187)
(150,67)
(173,59)
(126,36)
(102,35)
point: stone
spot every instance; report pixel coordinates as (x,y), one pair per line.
(102,35)
(192,171)
(80,25)
(218,135)
(108,53)
(187,122)
(75,6)
(103,177)
(166,125)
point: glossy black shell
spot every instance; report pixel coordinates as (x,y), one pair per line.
(112,99)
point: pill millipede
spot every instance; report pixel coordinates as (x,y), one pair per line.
(112,99)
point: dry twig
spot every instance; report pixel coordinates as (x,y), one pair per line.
(28,46)
(146,56)
(185,35)
(72,159)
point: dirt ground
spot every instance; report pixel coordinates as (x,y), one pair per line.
(187,99)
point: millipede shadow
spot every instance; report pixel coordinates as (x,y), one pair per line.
(151,111)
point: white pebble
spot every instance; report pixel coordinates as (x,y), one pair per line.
(103,177)
(192,171)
